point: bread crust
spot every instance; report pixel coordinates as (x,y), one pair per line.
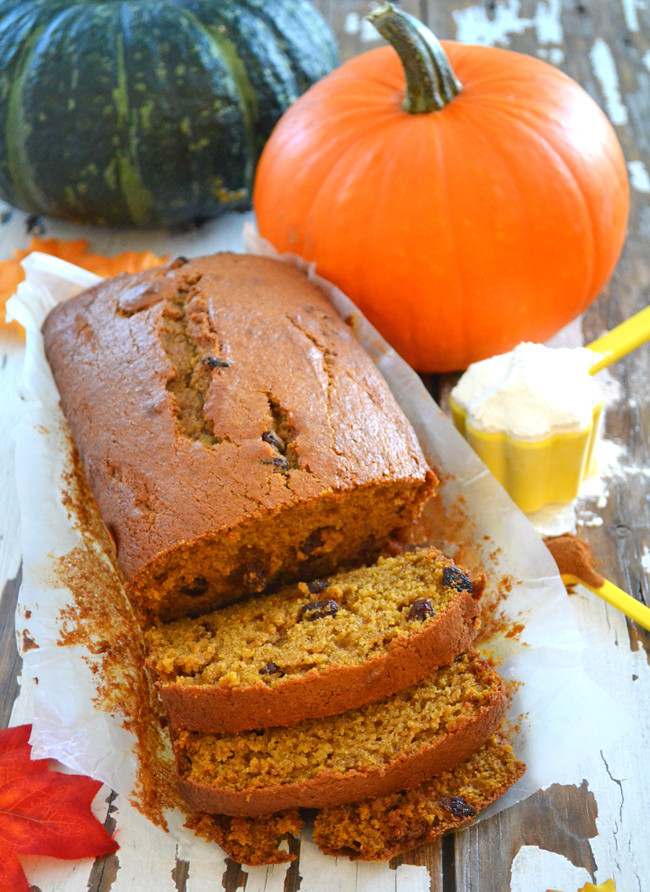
(211,396)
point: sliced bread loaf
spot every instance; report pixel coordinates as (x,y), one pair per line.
(316,649)
(391,745)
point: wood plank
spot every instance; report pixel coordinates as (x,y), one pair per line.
(11,350)
(353,33)
(9,659)
(561,819)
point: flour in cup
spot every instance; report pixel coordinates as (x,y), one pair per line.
(531,392)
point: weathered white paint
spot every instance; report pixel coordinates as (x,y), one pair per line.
(618,776)
(554,55)
(631,13)
(604,68)
(639,177)
(645,559)
(264,879)
(551,870)
(321,873)
(206,862)
(352,23)
(356,24)
(11,362)
(50,875)
(476,25)
(145,851)
(548,23)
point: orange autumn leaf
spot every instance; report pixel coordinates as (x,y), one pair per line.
(74,251)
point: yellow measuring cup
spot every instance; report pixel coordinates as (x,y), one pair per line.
(537,472)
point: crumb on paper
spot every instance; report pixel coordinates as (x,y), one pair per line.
(100,619)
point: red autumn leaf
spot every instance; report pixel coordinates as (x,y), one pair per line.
(12,877)
(43,812)
(15,738)
(15,754)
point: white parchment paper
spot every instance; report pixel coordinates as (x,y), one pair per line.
(561,716)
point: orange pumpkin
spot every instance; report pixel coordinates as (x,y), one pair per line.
(74,251)
(479,201)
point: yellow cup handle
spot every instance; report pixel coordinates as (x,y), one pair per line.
(621,340)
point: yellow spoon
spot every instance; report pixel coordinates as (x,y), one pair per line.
(621,340)
(551,469)
(615,596)
(574,561)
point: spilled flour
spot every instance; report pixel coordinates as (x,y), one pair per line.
(645,559)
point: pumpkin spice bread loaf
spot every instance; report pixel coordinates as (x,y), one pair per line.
(316,649)
(233,431)
(391,745)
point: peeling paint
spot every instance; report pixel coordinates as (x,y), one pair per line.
(548,24)
(476,25)
(639,177)
(360,876)
(645,559)
(352,23)
(355,24)
(556,871)
(604,68)
(630,12)
(554,55)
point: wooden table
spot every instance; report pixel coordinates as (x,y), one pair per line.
(595,827)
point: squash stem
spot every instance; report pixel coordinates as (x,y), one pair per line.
(430,80)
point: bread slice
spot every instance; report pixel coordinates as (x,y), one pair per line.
(379,829)
(251,841)
(375,829)
(316,649)
(394,744)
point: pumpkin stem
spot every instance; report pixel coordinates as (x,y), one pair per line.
(430,80)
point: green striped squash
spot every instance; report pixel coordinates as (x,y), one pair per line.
(147,112)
